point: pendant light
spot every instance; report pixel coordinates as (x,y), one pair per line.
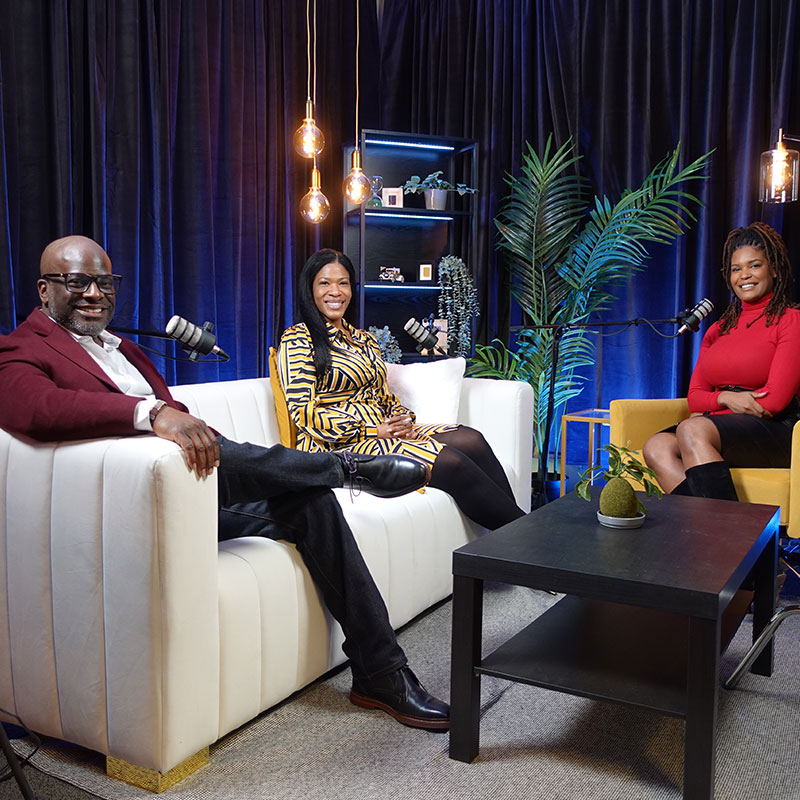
(778,177)
(314,206)
(356,186)
(308,138)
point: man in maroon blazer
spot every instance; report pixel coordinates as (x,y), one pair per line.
(63,376)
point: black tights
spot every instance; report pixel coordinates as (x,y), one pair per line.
(470,473)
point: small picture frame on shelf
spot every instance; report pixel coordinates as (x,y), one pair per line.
(392,198)
(426,272)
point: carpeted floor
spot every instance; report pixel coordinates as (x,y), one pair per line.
(534,743)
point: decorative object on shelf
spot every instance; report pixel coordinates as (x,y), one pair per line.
(309,140)
(390,349)
(426,272)
(376,185)
(391,274)
(779,172)
(398,232)
(458,304)
(435,189)
(619,505)
(314,206)
(356,186)
(564,257)
(392,198)
(440,328)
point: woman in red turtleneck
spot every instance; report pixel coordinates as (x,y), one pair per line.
(743,393)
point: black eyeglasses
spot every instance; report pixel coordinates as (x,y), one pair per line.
(79,282)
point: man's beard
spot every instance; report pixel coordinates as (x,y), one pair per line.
(69,319)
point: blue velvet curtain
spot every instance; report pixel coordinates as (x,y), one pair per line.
(627,81)
(162,128)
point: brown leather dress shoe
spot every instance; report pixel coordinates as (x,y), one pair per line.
(402,696)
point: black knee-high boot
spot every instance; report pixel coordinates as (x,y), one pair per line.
(683,489)
(711,480)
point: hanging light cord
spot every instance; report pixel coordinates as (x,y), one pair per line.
(314,96)
(358,48)
(308,48)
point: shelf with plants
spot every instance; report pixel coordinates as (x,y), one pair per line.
(405,238)
(385,214)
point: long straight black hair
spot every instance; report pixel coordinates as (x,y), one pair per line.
(309,313)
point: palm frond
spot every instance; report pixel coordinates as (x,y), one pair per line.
(537,224)
(611,246)
(565,259)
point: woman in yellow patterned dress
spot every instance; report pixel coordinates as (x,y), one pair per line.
(335,382)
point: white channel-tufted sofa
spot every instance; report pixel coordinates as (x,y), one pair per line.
(126,628)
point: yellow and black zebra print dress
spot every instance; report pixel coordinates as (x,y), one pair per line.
(343,411)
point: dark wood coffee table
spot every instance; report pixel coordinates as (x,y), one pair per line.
(646,615)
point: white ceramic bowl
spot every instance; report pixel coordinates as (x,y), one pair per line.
(621,522)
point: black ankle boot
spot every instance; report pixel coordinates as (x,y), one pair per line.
(711,480)
(401,695)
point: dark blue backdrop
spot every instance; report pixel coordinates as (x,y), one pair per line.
(163,130)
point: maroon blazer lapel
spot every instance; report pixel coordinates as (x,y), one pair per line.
(65,346)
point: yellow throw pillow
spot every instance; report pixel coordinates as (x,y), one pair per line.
(286,426)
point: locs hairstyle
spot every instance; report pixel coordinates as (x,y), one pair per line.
(309,313)
(771,244)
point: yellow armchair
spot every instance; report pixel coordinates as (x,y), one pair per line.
(635,420)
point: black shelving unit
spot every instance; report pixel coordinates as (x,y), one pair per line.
(412,235)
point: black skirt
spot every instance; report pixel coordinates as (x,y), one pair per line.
(749,441)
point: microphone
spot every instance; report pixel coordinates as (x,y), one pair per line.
(691,318)
(426,339)
(196,340)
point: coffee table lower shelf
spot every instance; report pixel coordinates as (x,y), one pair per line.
(608,651)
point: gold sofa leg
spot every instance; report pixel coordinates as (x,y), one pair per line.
(152,779)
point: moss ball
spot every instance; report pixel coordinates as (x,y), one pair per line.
(618,499)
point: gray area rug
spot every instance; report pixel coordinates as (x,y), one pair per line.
(534,743)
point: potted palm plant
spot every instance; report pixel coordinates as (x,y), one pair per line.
(435,189)
(564,259)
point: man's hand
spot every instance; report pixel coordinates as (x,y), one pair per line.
(398,426)
(192,435)
(744,403)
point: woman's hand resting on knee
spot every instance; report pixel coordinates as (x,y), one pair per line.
(743,403)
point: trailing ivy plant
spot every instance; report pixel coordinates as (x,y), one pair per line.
(390,349)
(417,185)
(458,304)
(564,259)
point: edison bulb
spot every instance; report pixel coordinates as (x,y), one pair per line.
(314,206)
(779,171)
(356,186)
(308,139)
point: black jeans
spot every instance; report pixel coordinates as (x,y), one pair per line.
(286,494)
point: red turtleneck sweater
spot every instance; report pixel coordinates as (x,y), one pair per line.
(760,358)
